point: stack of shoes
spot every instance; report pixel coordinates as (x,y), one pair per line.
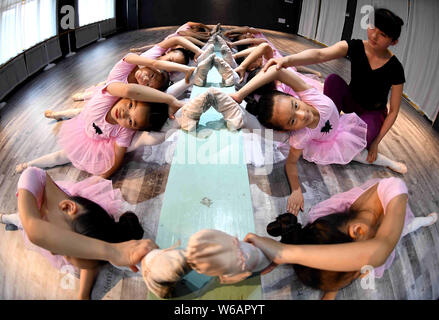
(200,74)
(192,111)
(162,269)
(229,108)
(225,71)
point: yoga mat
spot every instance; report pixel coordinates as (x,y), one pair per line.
(208,188)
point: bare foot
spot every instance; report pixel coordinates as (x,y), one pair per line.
(399,168)
(21,167)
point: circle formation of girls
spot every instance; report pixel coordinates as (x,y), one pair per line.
(74,223)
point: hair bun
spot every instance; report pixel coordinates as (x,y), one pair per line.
(128,227)
(287,227)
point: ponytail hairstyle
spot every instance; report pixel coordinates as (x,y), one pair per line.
(388,22)
(187,54)
(325,230)
(96,223)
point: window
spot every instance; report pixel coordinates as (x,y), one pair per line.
(24,23)
(96,10)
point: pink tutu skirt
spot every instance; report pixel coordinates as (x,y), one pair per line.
(342,146)
(95,156)
(95,189)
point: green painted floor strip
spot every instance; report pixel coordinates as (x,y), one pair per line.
(208,188)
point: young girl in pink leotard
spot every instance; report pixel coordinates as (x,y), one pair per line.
(150,73)
(59,220)
(349,231)
(316,128)
(97,139)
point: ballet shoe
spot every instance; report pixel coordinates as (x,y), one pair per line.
(21,167)
(78,96)
(215,253)
(229,108)
(225,71)
(228,56)
(208,50)
(434,216)
(51,115)
(192,111)
(162,269)
(200,74)
(401,168)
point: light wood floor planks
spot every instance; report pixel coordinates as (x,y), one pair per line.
(26,134)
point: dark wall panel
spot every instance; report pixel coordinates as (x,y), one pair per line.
(256,13)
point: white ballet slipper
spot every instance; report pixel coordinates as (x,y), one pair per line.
(162,269)
(21,167)
(225,71)
(399,167)
(200,74)
(78,96)
(192,111)
(229,108)
(208,50)
(228,56)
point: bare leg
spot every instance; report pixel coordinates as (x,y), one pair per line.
(47,161)
(57,115)
(382,161)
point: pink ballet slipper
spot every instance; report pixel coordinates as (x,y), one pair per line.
(192,111)
(208,50)
(200,74)
(229,108)
(225,71)
(162,269)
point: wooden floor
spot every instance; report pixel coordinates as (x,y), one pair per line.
(26,134)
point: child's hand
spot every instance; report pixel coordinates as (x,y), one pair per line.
(295,202)
(279,62)
(130,253)
(271,248)
(173,107)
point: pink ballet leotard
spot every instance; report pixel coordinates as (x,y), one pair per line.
(95,189)
(88,139)
(336,139)
(387,190)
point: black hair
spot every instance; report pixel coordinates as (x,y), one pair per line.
(388,22)
(263,108)
(166,80)
(325,230)
(187,54)
(156,116)
(96,223)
